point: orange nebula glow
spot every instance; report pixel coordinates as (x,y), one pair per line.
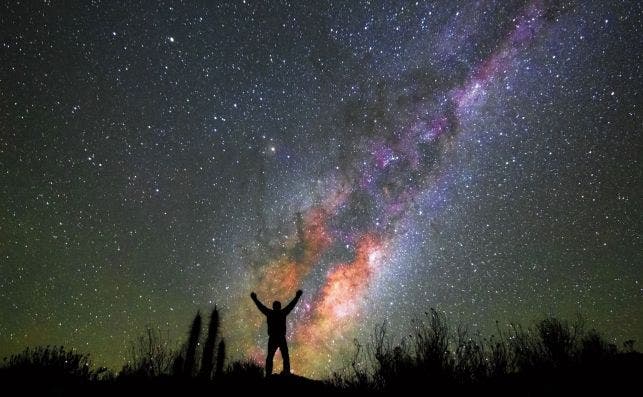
(284,275)
(328,321)
(339,304)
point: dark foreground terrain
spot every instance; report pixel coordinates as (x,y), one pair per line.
(551,358)
(615,377)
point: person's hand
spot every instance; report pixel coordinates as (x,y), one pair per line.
(253,295)
(299,292)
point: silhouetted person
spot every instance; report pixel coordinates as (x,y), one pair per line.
(277,330)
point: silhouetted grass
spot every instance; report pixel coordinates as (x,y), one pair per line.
(244,371)
(552,357)
(46,367)
(151,355)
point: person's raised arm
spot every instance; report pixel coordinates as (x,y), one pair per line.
(260,305)
(293,302)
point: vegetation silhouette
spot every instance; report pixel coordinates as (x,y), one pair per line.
(207,361)
(552,357)
(277,330)
(193,341)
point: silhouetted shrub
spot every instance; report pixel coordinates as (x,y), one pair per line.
(244,371)
(551,344)
(552,357)
(151,355)
(628,346)
(594,349)
(50,364)
(443,357)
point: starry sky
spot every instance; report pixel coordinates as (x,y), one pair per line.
(157,158)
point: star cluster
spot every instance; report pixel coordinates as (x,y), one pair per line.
(481,158)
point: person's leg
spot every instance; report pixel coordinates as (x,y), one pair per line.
(283,347)
(272,348)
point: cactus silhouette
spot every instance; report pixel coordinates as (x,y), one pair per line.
(177,365)
(220,358)
(193,341)
(207,360)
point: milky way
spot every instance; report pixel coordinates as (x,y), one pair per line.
(480,158)
(388,173)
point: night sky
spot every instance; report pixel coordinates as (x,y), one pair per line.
(158,158)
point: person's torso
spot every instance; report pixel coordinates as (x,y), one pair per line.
(277,323)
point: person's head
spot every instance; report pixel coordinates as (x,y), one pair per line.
(276,305)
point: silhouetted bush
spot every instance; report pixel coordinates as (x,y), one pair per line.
(50,364)
(244,371)
(441,357)
(552,357)
(151,355)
